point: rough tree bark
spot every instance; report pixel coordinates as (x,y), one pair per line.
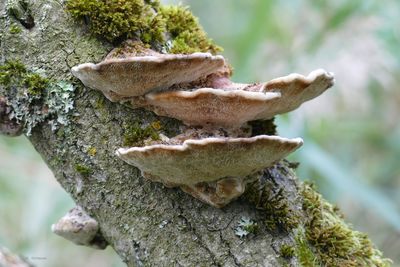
(146,223)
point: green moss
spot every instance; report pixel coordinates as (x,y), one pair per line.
(322,238)
(118,20)
(186,32)
(35,84)
(278,214)
(287,251)
(10,72)
(251,228)
(14,29)
(83,170)
(136,135)
(333,241)
(303,250)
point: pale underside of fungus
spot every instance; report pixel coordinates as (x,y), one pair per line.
(196,89)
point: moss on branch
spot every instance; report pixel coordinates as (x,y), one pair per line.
(174,28)
(35,98)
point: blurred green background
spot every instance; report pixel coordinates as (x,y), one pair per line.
(351,133)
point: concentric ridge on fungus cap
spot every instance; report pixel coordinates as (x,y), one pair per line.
(208,159)
(120,78)
(208,106)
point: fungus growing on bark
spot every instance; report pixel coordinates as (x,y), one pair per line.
(77,226)
(209,160)
(208,106)
(295,89)
(215,161)
(237,104)
(121,78)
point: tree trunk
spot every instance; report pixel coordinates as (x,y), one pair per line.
(146,223)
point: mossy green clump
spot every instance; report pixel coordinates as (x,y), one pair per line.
(10,72)
(322,238)
(287,251)
(186,32)
(303,250)
(34,98)
(136,135)
(333,241)
(278,213)
(35,84)
(118,20)
(83,170)
(15,29)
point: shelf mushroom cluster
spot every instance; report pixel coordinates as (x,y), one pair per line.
(216,156)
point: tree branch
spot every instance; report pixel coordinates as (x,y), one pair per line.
(146,223)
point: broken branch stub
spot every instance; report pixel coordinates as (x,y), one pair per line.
(77,226)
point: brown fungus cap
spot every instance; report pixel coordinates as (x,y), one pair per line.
(121,78)
(237,104)
(207,106)
(295,89)
(208,159)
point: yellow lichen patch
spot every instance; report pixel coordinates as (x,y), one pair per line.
(156,125)
(92,151)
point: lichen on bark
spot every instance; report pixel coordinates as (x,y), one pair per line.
(147,224)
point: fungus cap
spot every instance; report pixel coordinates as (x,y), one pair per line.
(208,159)
(237,104)
(295,89)
(207,106)
(120,78)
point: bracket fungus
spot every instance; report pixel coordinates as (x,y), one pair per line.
(196,89)
(208,160)
(120,78)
